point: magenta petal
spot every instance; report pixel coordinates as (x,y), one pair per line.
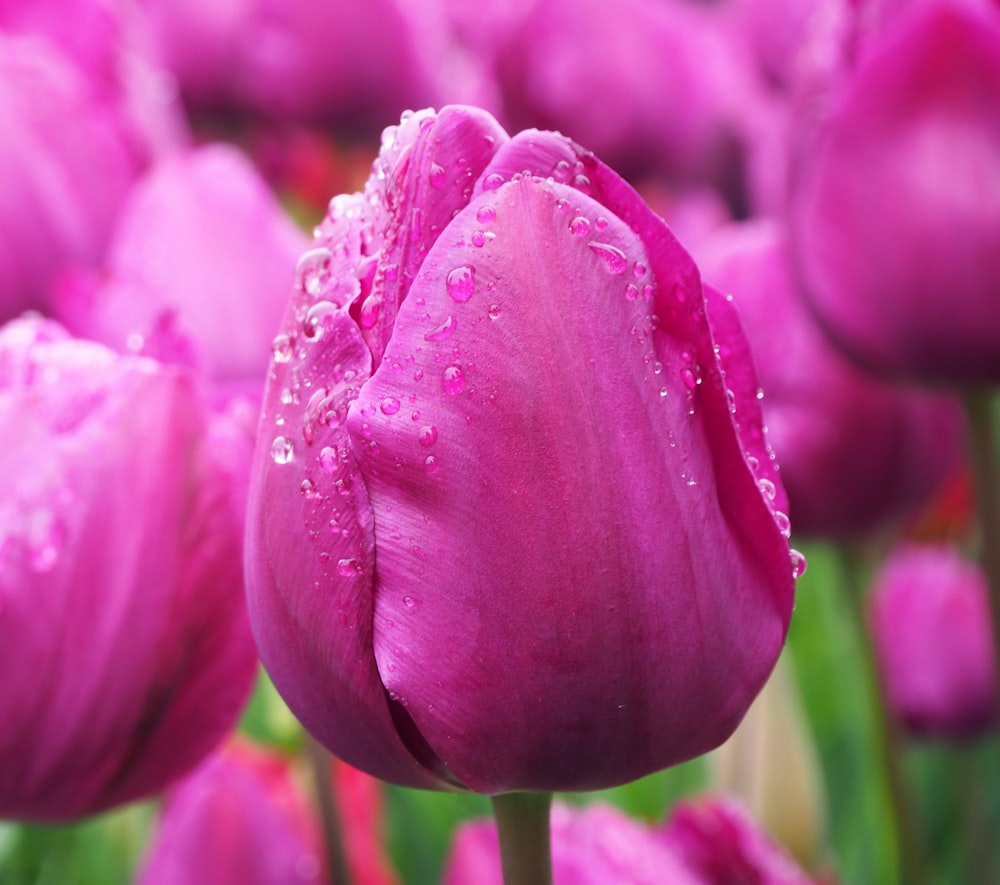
(565,466)
(312,585)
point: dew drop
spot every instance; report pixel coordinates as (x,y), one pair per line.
(409,601)
(313,273)
(631,292)
(579,226)
(492,181)
(639,269)
(328,459)
(281,348)
(369,311)
(799,564)
(349,567)
(318,319)
(389,405)
(461,282)
(613,257)
(453,380)
(308,488)
(440,333)
(486,214)
(431,465)
(282,450)
(768,488)
(427,435)
(478,239)
(494,311)
(437,175)
(783,523)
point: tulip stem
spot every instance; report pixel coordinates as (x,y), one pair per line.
(525,842)
(983,453)
(336,858)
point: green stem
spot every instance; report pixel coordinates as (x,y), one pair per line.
(983,453)
(336,857)
(525,843)
(888,740)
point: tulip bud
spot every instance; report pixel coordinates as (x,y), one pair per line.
(933,641)
(514,524)
(896,211)
(125,650)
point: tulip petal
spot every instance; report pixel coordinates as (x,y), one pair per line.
(564,469)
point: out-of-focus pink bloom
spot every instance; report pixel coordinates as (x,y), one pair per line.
(242,818)
(595,845)
(856,452)
(359,804)
(718,841)
(125,651)
(931,624)
(650,85)
(197,270)
(65,167)
(495,333)
(896,214)
(353,63)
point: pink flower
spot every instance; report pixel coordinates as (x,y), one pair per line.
(513,519)
(719,842)
(839,483)
(896,214)
(931,624)
(65,166)
(197,268)
(242,817)
(596,845)
(125,650)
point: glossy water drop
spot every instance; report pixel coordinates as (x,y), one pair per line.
(579,226)
(486,214)
(318,319)
(409,601)
(613,257)
(799,564)
(639,269)
(427,435)
(783,523)
(370,308)
(308,488)
(389,405)
(349,567)
(768,488)
(461,282)
(282,450)
(478,239)
(437,175)
(431,465)
(493,311)
(313,272)
(492,181)
(631,292)
(328,459)
(453,380)
(440,333)
(282,347)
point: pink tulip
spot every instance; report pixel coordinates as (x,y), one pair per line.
(931,624)
(896,215)
(197,268)
(513,519)
(840,484)
(65,166)
(719,842)
(596,845)
(342,61)
(125,650)
(242,818)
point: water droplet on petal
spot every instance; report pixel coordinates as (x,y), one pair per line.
(613,257)
(349,567)
(493,311)
(282,450)
(427,435)
(768,488)
(409,601)
(318,319)
(431,465)
(453,380)
(799,564)
(579,226)
(282,347)
(461,282)
(486,215)
(369,311)
(313,273)
(389,405)
(437,175)
(492,181)
(783,523)
(328,459)
(631,292)
(440,333)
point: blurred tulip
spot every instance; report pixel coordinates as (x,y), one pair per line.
(933,641)
(485,374)
(197,270)
(896,214)
(65,166)
(772,765)
(240,819)
(345,62)
(596,845)
(720,843)
(124,645)
(840,483)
